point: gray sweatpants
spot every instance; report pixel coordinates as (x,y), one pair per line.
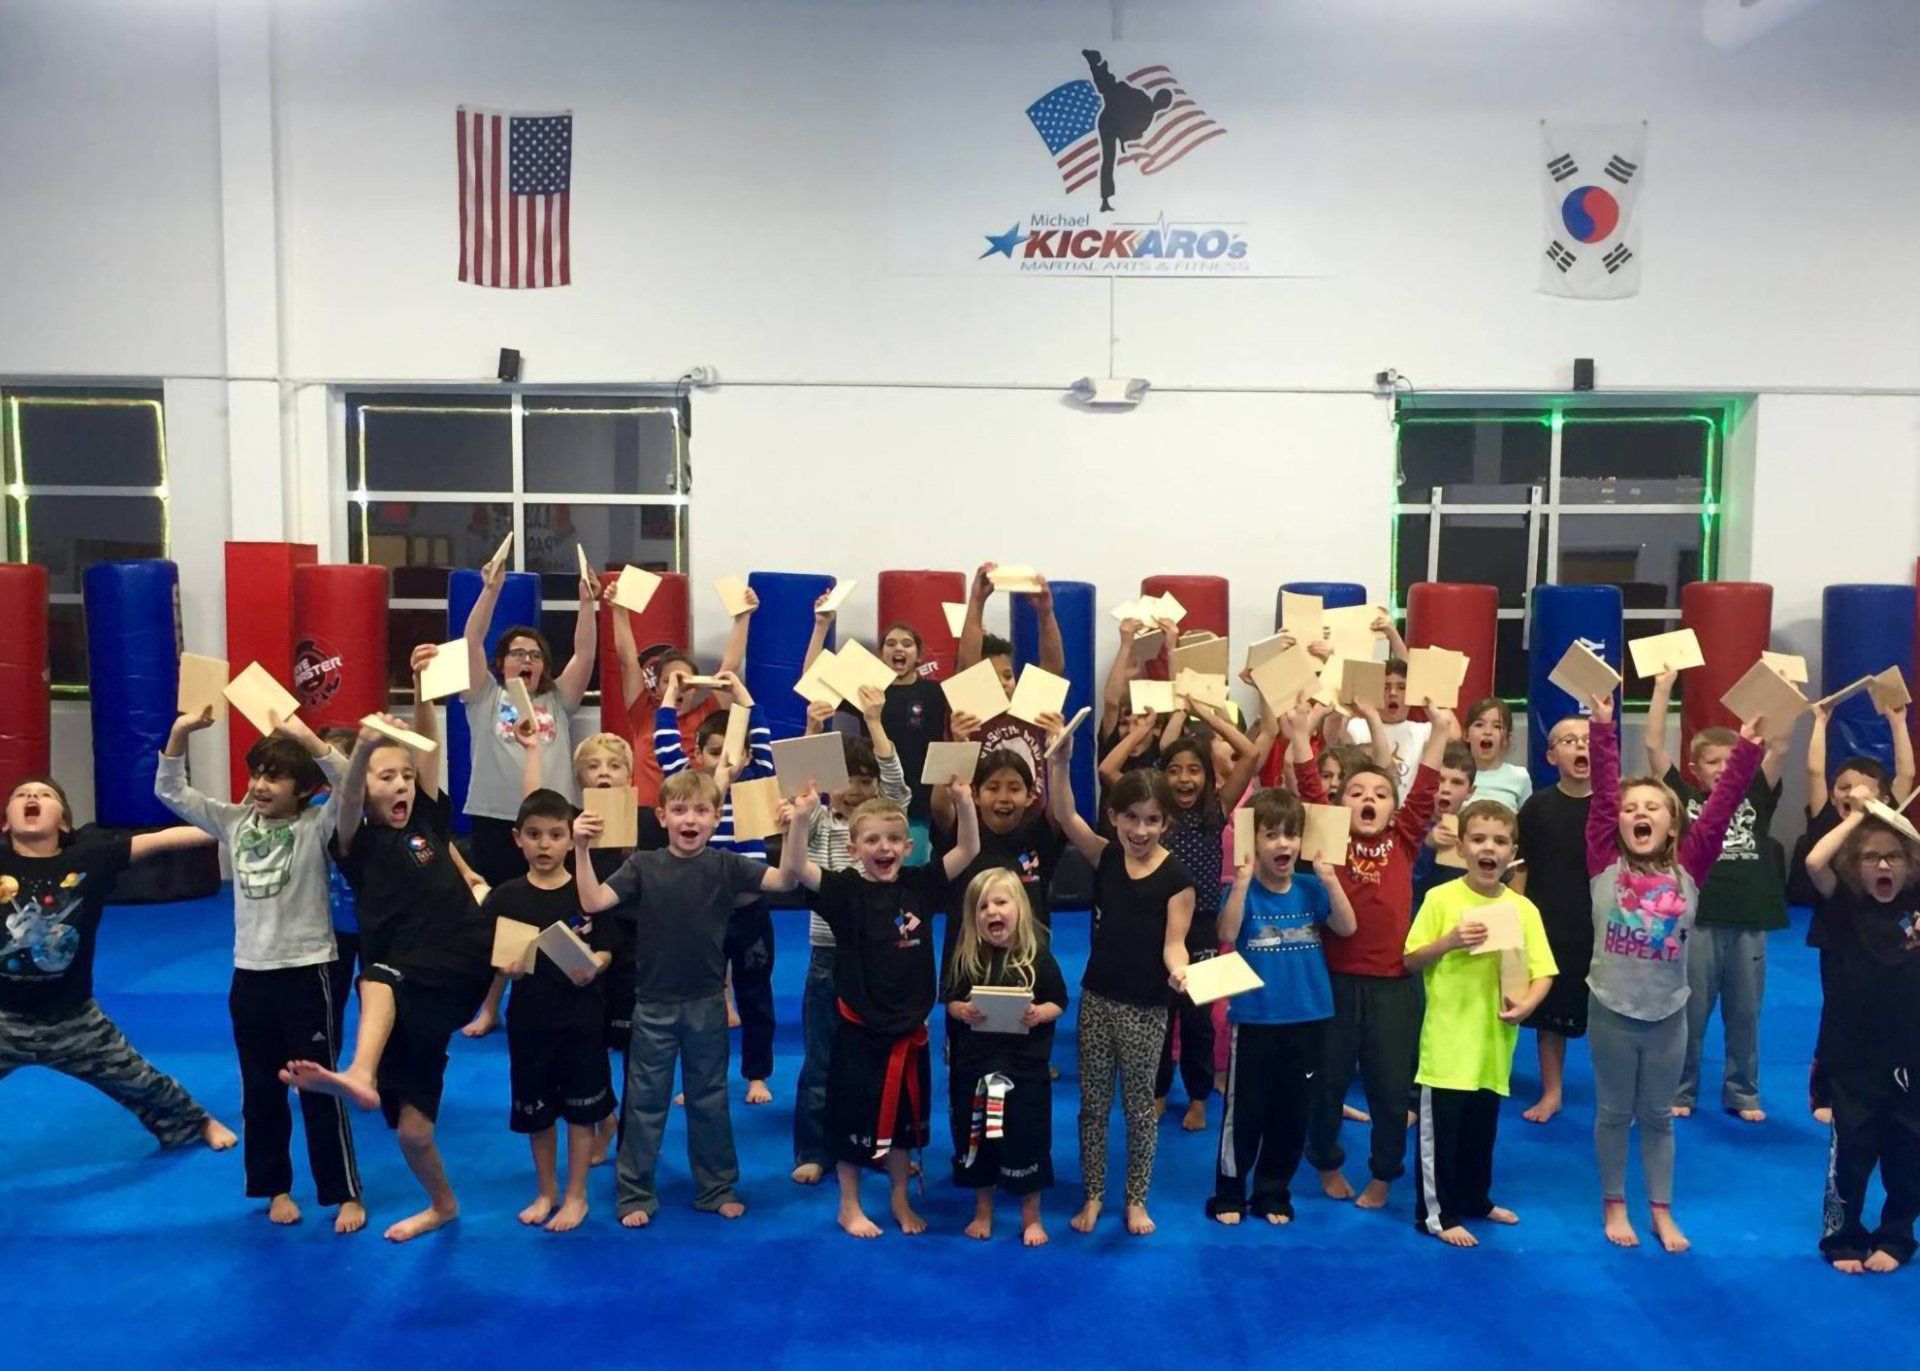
(90,1047)
(1636,1067)
(1728,965)
(695,1032)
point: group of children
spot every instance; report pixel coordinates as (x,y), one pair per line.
(1465,906)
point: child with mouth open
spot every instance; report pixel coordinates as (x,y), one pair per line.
(1000,1093)
(1646,875)
(1471,1024)
(1865,869)
(1376,1005)
(885,979)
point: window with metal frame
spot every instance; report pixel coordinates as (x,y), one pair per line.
(86,481)
(436,479)
(1567,491)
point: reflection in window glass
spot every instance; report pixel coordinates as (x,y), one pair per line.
(426,442)
(1649,556)
(68,533)
(1477,459)
(89,441)
(421,540)
(1613,458)
(600,447)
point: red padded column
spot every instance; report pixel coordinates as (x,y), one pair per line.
(1464,618)
(259,628)
(915,597)
(339,643)
(1207,603)
(1734,622)
(668,619)
(26,718)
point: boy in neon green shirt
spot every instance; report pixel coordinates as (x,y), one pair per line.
(1471,1024)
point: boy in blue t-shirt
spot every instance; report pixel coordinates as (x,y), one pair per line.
(1273,918)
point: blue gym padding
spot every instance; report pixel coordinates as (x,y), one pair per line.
(1560,615)
(133,674)
(1864,629)
(1073,606)
(1333,595)
(777,648)
(519,604)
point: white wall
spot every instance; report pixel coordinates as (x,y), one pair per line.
(734,176)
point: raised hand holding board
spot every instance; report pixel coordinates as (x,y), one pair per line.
(830,602)
(1363,683)
(1350,630)
(619,813)
(1676,651)
(739,718)
(634,588)
(733,595)
(1038,692)
(1150,697)
(1761,693)
(756,808)
(1284,680)
(947,760)
(448,672)
(1435,675)
(1324,838)
(819,760)
(524,716)
(1015,579)
(260,698)
(1889,690)
(203,684)
(812,685)
(852,667)
(1790,667)
(406,737)
(976,691)
(1073,726)
(1583,675)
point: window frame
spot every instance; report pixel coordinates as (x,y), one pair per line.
(13,470)
(1545,509)
(357,498)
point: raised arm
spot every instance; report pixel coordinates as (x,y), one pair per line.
(1817,759)
(492,576)
(595,897)
(633,679)
(426,722)
(1065,817)
(966,834)
(353,790)
(1120,675)
(1246,755)
(1902,755)
(973,632)
(170,785)
(1114,765)
(1603,765)
(1379,746)
(1700,847)
(571,683)
(1233,910)
(1653,734)
(1053,652)
(794,860)
(817,641)
(1820,859)
(733,656)
(1341,920)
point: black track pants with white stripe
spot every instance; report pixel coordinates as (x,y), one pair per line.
(281,1016)
(1457,1129)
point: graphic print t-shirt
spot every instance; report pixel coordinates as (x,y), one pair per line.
(1744,889)
(46,951)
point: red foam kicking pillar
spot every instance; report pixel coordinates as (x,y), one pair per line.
(25,710)
(259,628)
(1734,622)
(1464,618)
(1207,603)
(340,643)
(914,598)
(668,618)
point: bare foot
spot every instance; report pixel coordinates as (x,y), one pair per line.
(483,1023)
(1457,1236)
(639,1218)
(217,1135)
(855,1221)
(1850,1267)
(1665,1229)
(424,1222)
(1088,1216)
(569,1217)
(733,1013)
(1195,1120)
(1619,1229)
(732,1209)
(1229,1217)
(1499,1215)
(311,1076)
(1033,1235)
(1880,1263)
(1277,1219)
(1352,1115)
(1335,1186)
(1543,1109)
(910,1222)
(1159,1109)
(604,1133)
(283,1210)
(1683,1111)
(1139,1222)
(1413,1119)
(757,1093)
(1375,1195)
(351,1218)
(1751,1115)
(807,1173)
(680,1101)
(539,1211)
(1823,1115)
(981,1228)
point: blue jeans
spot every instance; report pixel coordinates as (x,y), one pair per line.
(818,1013)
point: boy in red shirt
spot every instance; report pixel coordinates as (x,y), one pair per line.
(1376,1005)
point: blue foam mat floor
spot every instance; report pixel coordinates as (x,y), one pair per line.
(117,1254)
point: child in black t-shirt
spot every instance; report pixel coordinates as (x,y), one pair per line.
(1014,836)
(555,1054)
(1000,1093)
(881,913)
(53,884)
(1865,868)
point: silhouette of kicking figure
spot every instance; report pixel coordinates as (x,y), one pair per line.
(1125,113)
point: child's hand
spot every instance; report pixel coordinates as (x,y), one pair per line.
(1178,980)
(822,616)
(494,574)
(1601,707)
(1129,630)
(751,601)
(1369,711)
(1381,624)
(1665,679)
(1143,725)
(804,803)
(606,591)
(422,654)
(586,827)
(964,1011)
(1034,1017)
(1321,652)
(589,592)
(982,588)
(872,701)
(373,735)
(963,726)
(1243,873)
(1442,839)
(1441,717)
(1821,711)
(1468,934)
(1324,870)
(730,682)
(1052,723)
(1043,597)
(193,723)
(583,976)
(1510,1012)
(1754,730)
(962,792)
(818,712)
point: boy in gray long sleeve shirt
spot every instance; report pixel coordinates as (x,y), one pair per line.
(281,997)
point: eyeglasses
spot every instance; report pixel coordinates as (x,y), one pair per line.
(526,654)
(1881,858)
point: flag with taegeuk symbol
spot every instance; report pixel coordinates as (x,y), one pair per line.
(1590,176)
(516,191)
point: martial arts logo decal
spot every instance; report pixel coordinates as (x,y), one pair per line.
(1093,128)
(316,672)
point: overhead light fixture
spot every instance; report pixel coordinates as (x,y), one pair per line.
(1109,392)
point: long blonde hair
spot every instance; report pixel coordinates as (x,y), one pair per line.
(972,957)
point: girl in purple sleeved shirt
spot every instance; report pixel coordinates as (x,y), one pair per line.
(1646,875)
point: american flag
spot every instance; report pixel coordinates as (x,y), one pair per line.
(516,179)
(1066,118)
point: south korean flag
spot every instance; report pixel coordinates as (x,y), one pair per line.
(1590,178)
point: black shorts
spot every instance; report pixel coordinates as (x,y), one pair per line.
(1564,1010)
(557,1073)
(619,981)
(856,1082)
(413,1069)
(1020,1162)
